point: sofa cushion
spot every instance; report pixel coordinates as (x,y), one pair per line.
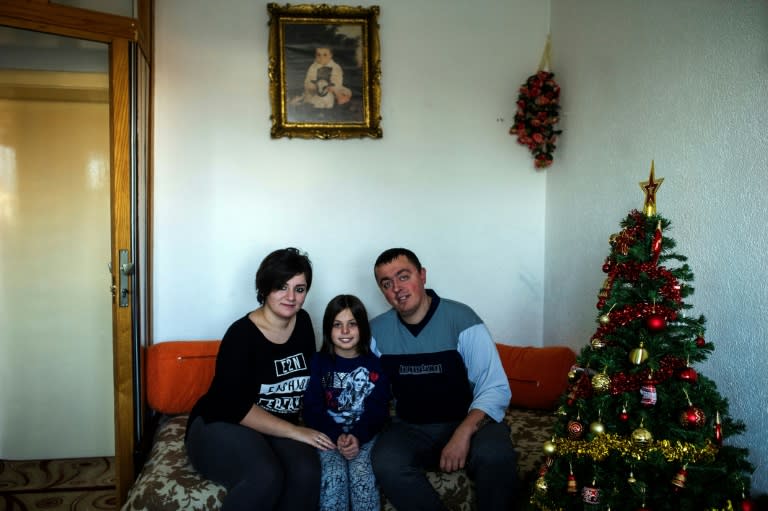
(537,376)
(178,373)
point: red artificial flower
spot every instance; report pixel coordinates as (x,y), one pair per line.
(537,113)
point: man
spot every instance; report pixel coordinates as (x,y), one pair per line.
(450,391)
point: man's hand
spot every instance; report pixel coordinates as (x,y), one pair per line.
(454,455)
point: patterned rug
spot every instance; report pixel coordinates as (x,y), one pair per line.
(52,485)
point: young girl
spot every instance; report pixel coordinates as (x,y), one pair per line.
(347,398)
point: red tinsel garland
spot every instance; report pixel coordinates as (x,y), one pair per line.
(624,382)
(623,316)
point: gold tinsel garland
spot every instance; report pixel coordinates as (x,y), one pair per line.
(728,507)
(601,447)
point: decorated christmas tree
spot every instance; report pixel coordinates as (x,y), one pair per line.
(640,428)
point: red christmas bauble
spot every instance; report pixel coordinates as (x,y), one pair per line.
(692,417)
(623,416)
(656,323)
(575,430)
(688,374)
(746,505)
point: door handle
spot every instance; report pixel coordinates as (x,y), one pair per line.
(126,270)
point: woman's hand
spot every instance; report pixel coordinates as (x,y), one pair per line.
(348,446)
(314,438)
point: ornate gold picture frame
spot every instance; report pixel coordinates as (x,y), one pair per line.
(324,71)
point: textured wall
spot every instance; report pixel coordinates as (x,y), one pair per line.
(684,83)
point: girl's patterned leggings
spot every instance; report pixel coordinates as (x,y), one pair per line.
(348,484)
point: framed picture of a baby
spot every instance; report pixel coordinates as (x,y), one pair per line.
(324,71)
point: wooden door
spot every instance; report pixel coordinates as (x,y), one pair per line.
(129,41)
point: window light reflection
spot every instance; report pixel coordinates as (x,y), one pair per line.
(8,193)
(96,173)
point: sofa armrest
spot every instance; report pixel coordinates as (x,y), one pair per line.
(537,376)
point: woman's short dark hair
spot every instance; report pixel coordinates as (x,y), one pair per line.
(356,307)
(278,268)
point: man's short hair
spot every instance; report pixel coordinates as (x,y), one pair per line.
(391,254)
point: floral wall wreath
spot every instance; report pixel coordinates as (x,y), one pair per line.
(538,104)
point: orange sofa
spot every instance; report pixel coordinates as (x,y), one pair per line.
(179,372)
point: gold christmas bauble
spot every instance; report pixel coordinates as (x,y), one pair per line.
(597,343)
(638,355)
(572,375)
(601,383)
(605,319)
(597,428)
(541,485)
(642,436)
(549,447)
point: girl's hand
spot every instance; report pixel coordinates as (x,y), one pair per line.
(315,438)
(348,446)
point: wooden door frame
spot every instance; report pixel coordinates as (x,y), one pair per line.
(118,32)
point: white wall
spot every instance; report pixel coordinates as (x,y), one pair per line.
(447,180)
(684,83)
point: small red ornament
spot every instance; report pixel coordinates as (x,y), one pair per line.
(623,415)
(575,429)
(700,342)
(656,323)
(590,494)
(688,374)
(572,488)
(746,505)
(680,478)
(545,466)
(656,244)
(648,394)
(718,430)
(692,417)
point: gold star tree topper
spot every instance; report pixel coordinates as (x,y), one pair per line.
(650,188)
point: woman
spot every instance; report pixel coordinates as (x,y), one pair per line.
(244,432)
